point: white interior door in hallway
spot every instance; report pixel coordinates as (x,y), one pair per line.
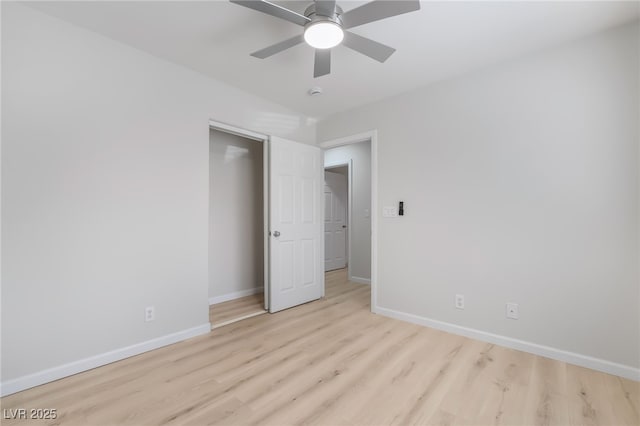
(296,224)
(335,221)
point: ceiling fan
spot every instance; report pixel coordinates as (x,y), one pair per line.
(325,26)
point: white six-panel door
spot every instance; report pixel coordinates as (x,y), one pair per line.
(296,222)
(335,221)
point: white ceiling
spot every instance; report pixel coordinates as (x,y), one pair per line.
(441,40)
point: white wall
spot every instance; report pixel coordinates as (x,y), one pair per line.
(236,238)
(104,193)
(521,185)
(360,153)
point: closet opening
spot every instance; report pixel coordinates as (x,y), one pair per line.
(236,227)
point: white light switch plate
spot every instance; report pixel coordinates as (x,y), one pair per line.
(389,211)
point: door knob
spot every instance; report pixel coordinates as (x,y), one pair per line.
(344,226)
(276,233)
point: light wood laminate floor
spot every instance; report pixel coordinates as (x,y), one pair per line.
(227,312)
(332,362)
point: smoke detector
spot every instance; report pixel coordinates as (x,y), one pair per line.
(315,91)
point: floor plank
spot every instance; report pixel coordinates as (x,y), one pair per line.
(233,310)
(333,362)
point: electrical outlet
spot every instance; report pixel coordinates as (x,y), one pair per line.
(513,311)
(460,301)
(149,313)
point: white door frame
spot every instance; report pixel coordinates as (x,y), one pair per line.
(372,136)
(264,139)
(349,164)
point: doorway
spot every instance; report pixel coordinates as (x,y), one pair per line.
(350,163)
(236,228)
(371,137)
(291,215)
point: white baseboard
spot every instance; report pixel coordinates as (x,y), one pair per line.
(360,280)
(521,345)
(45,376)
(235,295)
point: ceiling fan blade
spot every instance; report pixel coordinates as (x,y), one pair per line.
(376,10)
(322,65)
(368,47)
(325,7)
(273,10)
(278,47)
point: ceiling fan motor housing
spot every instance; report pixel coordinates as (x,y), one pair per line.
(310,13)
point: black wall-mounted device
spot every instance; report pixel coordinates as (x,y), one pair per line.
(401,209)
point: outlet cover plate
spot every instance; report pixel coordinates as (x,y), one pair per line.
(149,313)
(459,303)
(513,311)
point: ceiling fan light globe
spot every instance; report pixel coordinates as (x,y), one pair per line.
(323,35)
